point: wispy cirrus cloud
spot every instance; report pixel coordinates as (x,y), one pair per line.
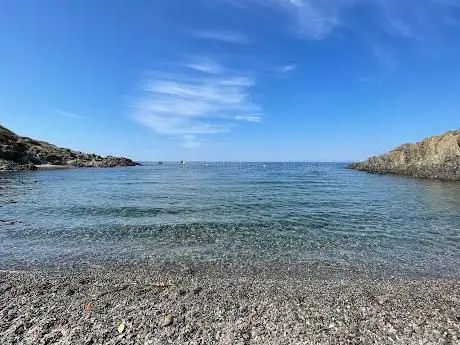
(314,19)
(380,25)
(198,103)
(228,36)
(285,68)
(205,65)
(68,114)
(249,118)
(318,19)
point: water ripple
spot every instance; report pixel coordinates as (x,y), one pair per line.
(242,213)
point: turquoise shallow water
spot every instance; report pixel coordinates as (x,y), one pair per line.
(248,214)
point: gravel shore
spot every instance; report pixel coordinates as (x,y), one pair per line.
(153,307)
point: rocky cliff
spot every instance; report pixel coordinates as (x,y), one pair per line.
(22,153)
(436,157)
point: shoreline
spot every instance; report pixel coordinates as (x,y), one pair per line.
(52,167)
(45,167)
(161,306)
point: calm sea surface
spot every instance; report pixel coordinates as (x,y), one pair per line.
(319,216)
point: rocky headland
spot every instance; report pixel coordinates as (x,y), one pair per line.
(437,158)
(22,153)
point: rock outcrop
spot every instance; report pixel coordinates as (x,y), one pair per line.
(436,157)
(22,153)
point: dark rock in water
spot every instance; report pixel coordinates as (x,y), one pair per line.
(21,153)
(436,157)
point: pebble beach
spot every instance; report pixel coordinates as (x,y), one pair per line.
(111,306)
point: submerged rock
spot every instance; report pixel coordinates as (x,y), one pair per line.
(437,157)
(21,153)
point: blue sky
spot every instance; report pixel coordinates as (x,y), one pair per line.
(318,80)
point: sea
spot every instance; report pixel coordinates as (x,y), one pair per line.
(317,218)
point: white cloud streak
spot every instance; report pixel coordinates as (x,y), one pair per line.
(222,35)
(315,19)
(206,65)
(285,68)
(68,114)
(408,19)
(249,118)
(190,106)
